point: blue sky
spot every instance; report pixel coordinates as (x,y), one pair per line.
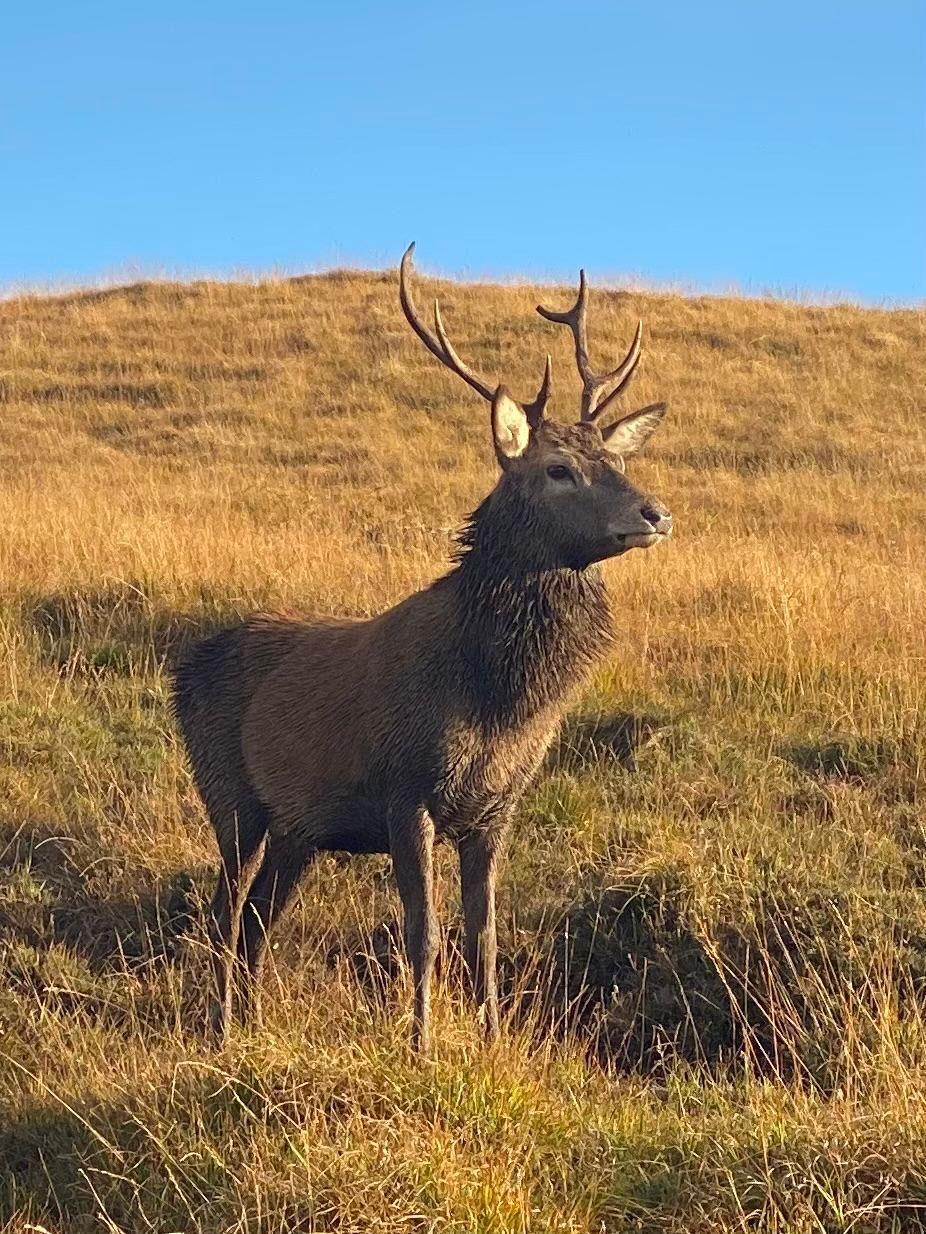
(767,146)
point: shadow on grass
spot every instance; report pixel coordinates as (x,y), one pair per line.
(61,946)
(618,973)
(625,975)
(621,972)
(851,760)
(586,740)
(85,1166)
(212,1151)
(121,628)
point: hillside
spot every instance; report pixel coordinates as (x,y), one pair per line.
(713,918)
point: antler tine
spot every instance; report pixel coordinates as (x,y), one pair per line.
(593,383)
(440,345)
(623,373)
(453,361)
(535,410)
(574,318)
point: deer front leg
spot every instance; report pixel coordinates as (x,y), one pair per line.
(479,852)
(411,842)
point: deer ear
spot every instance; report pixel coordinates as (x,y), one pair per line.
(632,433)
(510,427)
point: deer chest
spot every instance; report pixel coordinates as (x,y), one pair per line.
(485,772)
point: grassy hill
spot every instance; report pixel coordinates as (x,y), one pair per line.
(713,919)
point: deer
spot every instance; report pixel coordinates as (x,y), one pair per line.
(427,722)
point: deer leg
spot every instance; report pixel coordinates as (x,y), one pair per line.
(271,892)
(478,852)
(411,842)
(240,845)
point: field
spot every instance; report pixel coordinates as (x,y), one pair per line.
(713,918)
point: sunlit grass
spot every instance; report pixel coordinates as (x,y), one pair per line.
(713,916)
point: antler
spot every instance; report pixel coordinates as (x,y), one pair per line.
(593,384)
(441,347)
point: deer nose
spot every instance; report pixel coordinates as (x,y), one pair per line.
(657,516)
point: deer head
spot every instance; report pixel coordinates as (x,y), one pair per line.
(580,506)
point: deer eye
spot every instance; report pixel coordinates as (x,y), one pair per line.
(559,472)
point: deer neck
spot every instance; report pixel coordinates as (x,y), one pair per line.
(529,629)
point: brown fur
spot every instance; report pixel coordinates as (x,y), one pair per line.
(426,722)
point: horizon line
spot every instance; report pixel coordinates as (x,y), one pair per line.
(131,274)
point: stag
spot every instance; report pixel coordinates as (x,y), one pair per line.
(426,722)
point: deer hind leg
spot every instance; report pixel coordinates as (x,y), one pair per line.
(241,841)
(284,863)
(479,852)
(411,842)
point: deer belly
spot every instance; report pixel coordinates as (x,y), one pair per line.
(344,820)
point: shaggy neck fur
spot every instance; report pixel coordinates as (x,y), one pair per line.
(530,629)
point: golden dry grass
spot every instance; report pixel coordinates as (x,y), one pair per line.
(715,952)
